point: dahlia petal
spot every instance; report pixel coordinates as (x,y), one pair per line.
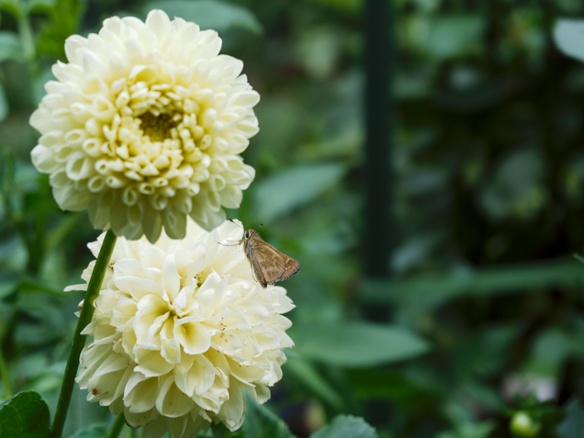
(140,393)
(232,410)
(193,337)
(170,401)
(152,364)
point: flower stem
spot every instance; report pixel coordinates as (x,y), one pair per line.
(93,288)
(5,377)
(26,35)
(117,427)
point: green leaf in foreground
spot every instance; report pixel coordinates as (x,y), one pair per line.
(25,415)
(356,344)
(348,426)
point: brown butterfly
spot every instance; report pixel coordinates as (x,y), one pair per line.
(268,264)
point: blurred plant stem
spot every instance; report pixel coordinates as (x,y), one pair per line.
(25,33)
(93,288)
(117,427)
(7,387)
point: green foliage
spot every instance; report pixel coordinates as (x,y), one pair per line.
(573,424)
(346,426)
(342,344)
(261,423)
(63,18)
(92,431)
(25,415)
(210,14)
(279,194)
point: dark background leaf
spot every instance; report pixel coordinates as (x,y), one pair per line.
(25,415)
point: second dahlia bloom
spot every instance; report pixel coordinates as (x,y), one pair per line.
(144,126)
(180,330)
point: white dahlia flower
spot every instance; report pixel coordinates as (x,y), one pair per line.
(144,126)
(180,330)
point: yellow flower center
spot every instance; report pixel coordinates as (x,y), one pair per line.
(157,128)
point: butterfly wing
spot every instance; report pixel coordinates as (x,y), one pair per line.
(268,264)
(266,261)
(291,267)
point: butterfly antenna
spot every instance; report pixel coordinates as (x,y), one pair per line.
(233,222)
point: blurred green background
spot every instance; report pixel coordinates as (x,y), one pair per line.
(484,308)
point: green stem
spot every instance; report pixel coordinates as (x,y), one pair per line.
(117,427)
(25,33)
(93,288)
(5,378)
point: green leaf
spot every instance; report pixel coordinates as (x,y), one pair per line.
(12,7)
(552,349)
(25,415)
(356,344)
(309,376)
(346,426)
(260,422)
(433,289)
(96,430)
(470,430)
(40,6)
(210,14)
(279,194)
(444,36)
(64,17)
(569,36)
(454,35)
(573,424)
(10,48)
(8,280)
(516,189)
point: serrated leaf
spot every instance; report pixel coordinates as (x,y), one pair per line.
(210,14)
(346,426)
(25,415)
(356,344)
(278,194)
(569,37)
